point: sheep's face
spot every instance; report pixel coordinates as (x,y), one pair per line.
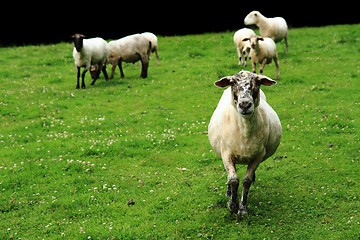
(78,41)
(245,88)
(95,71)
(252,18)
(254,41)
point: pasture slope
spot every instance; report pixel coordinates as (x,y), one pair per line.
(72,159)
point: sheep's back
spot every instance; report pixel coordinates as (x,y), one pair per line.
(96,48)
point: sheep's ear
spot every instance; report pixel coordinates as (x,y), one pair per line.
(264,80)
(77,35)
(224,82)
(245,39)
(260,38)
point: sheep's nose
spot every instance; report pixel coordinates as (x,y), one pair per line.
(245,105)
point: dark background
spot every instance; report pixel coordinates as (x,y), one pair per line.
(58,21)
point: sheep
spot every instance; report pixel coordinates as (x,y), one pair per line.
(129,49)
(243,129)
(243,48)
(154,44)
(89,52)
(274,28)
(263,50)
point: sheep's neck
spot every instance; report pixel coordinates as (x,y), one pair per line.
(247,126)
(262,24)
(258,51)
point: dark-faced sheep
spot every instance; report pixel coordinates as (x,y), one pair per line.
(89,52)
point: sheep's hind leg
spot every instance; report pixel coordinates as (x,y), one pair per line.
(276,60)
(144,67)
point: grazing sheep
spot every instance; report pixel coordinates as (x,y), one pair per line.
(243,129)
(274,28)
(243,48)
(154,44)
(263,50)
(89,52)
(129,49)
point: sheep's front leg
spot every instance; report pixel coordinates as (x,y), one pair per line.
(121,70)
(253,66)
(262,66)
(233,183)
(112,71)
(103,69)
(83,78)
(78,78)
(247,180)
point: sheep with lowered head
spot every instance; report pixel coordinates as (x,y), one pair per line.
(129,49)
(243,48)
(274,28)
(89,52)
(243,129)
(263,50)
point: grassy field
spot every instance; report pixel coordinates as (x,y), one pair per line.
(71,160)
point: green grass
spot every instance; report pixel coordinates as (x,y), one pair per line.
(71,160)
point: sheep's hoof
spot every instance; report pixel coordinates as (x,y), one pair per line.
(243,211)
(233,206)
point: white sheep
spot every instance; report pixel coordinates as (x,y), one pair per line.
(154,44)
(274,28)
(89,52)
(243,129)
(263,50)
(243,48)
(129,49)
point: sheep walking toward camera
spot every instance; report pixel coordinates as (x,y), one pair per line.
(154,44)
(89,52)
(243,129)
(263,50)
(129,49)
(274,28)
(243,48)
